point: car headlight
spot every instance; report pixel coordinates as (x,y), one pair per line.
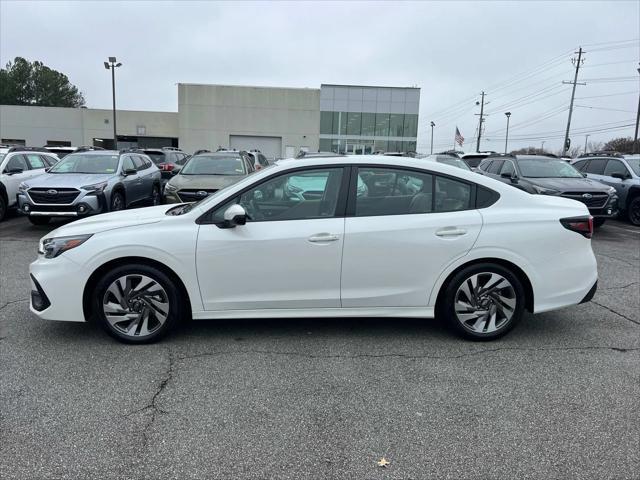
(23,187)
(52,247)
(96,187)
(170,188)
(545,191)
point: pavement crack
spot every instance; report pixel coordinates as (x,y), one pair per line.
(621,287)
(615,258)
(152,406)
(399,355)
(12,302)
(637,322)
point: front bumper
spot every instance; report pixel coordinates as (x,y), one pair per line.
(82,207)
(610,209)
(57,286)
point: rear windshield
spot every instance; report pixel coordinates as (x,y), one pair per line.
(81,163)
(156,157)
(214,165)
(547,168)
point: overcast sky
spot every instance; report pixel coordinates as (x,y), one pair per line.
(517,52)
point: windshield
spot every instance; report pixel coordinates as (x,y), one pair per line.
(82,163)
(547,168)
(633,163)
(454,162)
(156,157)
(213,165)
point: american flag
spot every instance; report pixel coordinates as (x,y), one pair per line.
(459,137)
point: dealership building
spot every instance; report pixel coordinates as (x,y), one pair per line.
(278,121)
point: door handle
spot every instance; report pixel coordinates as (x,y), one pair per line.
(323,238)
(451,232)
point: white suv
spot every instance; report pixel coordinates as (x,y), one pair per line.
(18,164)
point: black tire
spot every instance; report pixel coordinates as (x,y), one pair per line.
(598,222)
(446,305)
(3,208)
(39,220)
(156,198)
(633,210)
(169,292)
(117,202)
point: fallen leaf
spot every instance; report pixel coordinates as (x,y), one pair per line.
(383,462)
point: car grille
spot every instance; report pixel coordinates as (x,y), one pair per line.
(596,199)
(56,196)
(193,195)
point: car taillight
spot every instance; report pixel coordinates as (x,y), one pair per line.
(167,167)
(581,225)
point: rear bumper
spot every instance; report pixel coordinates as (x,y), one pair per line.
(590,293)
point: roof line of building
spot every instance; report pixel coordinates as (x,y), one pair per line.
(246,86)
(366,86)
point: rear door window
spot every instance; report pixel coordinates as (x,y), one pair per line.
(452,195)
(596,166)
(580,165)
(615,166)
(495,167)
(127,163)
(508,168)
(35,161)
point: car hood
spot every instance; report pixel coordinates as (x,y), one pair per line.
(111,221)
(216,182)
(569,184)
(74,180)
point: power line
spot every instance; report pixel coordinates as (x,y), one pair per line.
(604,108)
(608,95)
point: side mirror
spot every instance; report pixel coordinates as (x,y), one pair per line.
(620,176)
(13,171)
(233,216)
(584,174)
(129,171)
(511,176)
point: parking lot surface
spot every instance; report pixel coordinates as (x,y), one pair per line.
(559,397)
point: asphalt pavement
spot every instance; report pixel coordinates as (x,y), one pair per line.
(559,397)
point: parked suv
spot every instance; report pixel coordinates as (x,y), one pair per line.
(259,160)
(90,182)
(62,152)
(168,159)
(206,173)
(542,175)
(621,172)
(18,164)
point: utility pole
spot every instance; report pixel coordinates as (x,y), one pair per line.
(480,121)
(432,125)
(506,138)
(636,147)
(577,64)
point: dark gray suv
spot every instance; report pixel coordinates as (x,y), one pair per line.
(621,172)
(87,183)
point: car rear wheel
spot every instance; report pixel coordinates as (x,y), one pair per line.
(155,196)
(482,302)
(39,220)
(137,303)
(634,211)
(117,202)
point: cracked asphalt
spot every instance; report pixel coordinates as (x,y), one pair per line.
(558,398)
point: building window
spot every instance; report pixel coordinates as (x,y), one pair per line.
(410,125)
(380,146)
(13,141)
(382,124)
(408,146)
(326,145)
(339,123)
(394,146)
(368,124)
(396,123)
(354,123)
(326,122)
(58,143)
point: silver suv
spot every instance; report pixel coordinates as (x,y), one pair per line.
(88,183)
(622,172)
(17,164)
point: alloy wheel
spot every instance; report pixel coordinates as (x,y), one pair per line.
(634,211)
(135,305)
(485,302)
(117,203)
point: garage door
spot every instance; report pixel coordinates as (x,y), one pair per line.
(271,147)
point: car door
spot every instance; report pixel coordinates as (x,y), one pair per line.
(287,255)
(621,185)
(145,176)
(130,181)
(595,169)
(12,181)
(401,232)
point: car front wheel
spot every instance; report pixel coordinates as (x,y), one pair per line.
(155,196)
(137,303)
(482,301)
(634,211)
(117,202)
(3,208)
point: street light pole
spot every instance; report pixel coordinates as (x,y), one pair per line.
(112,65)
(636,148)
(432,125)
(542,146)
(586,137)
(506,138)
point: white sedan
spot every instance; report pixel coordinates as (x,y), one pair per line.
(304,238)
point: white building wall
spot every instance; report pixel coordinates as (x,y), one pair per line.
(38,125)
(210,114)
